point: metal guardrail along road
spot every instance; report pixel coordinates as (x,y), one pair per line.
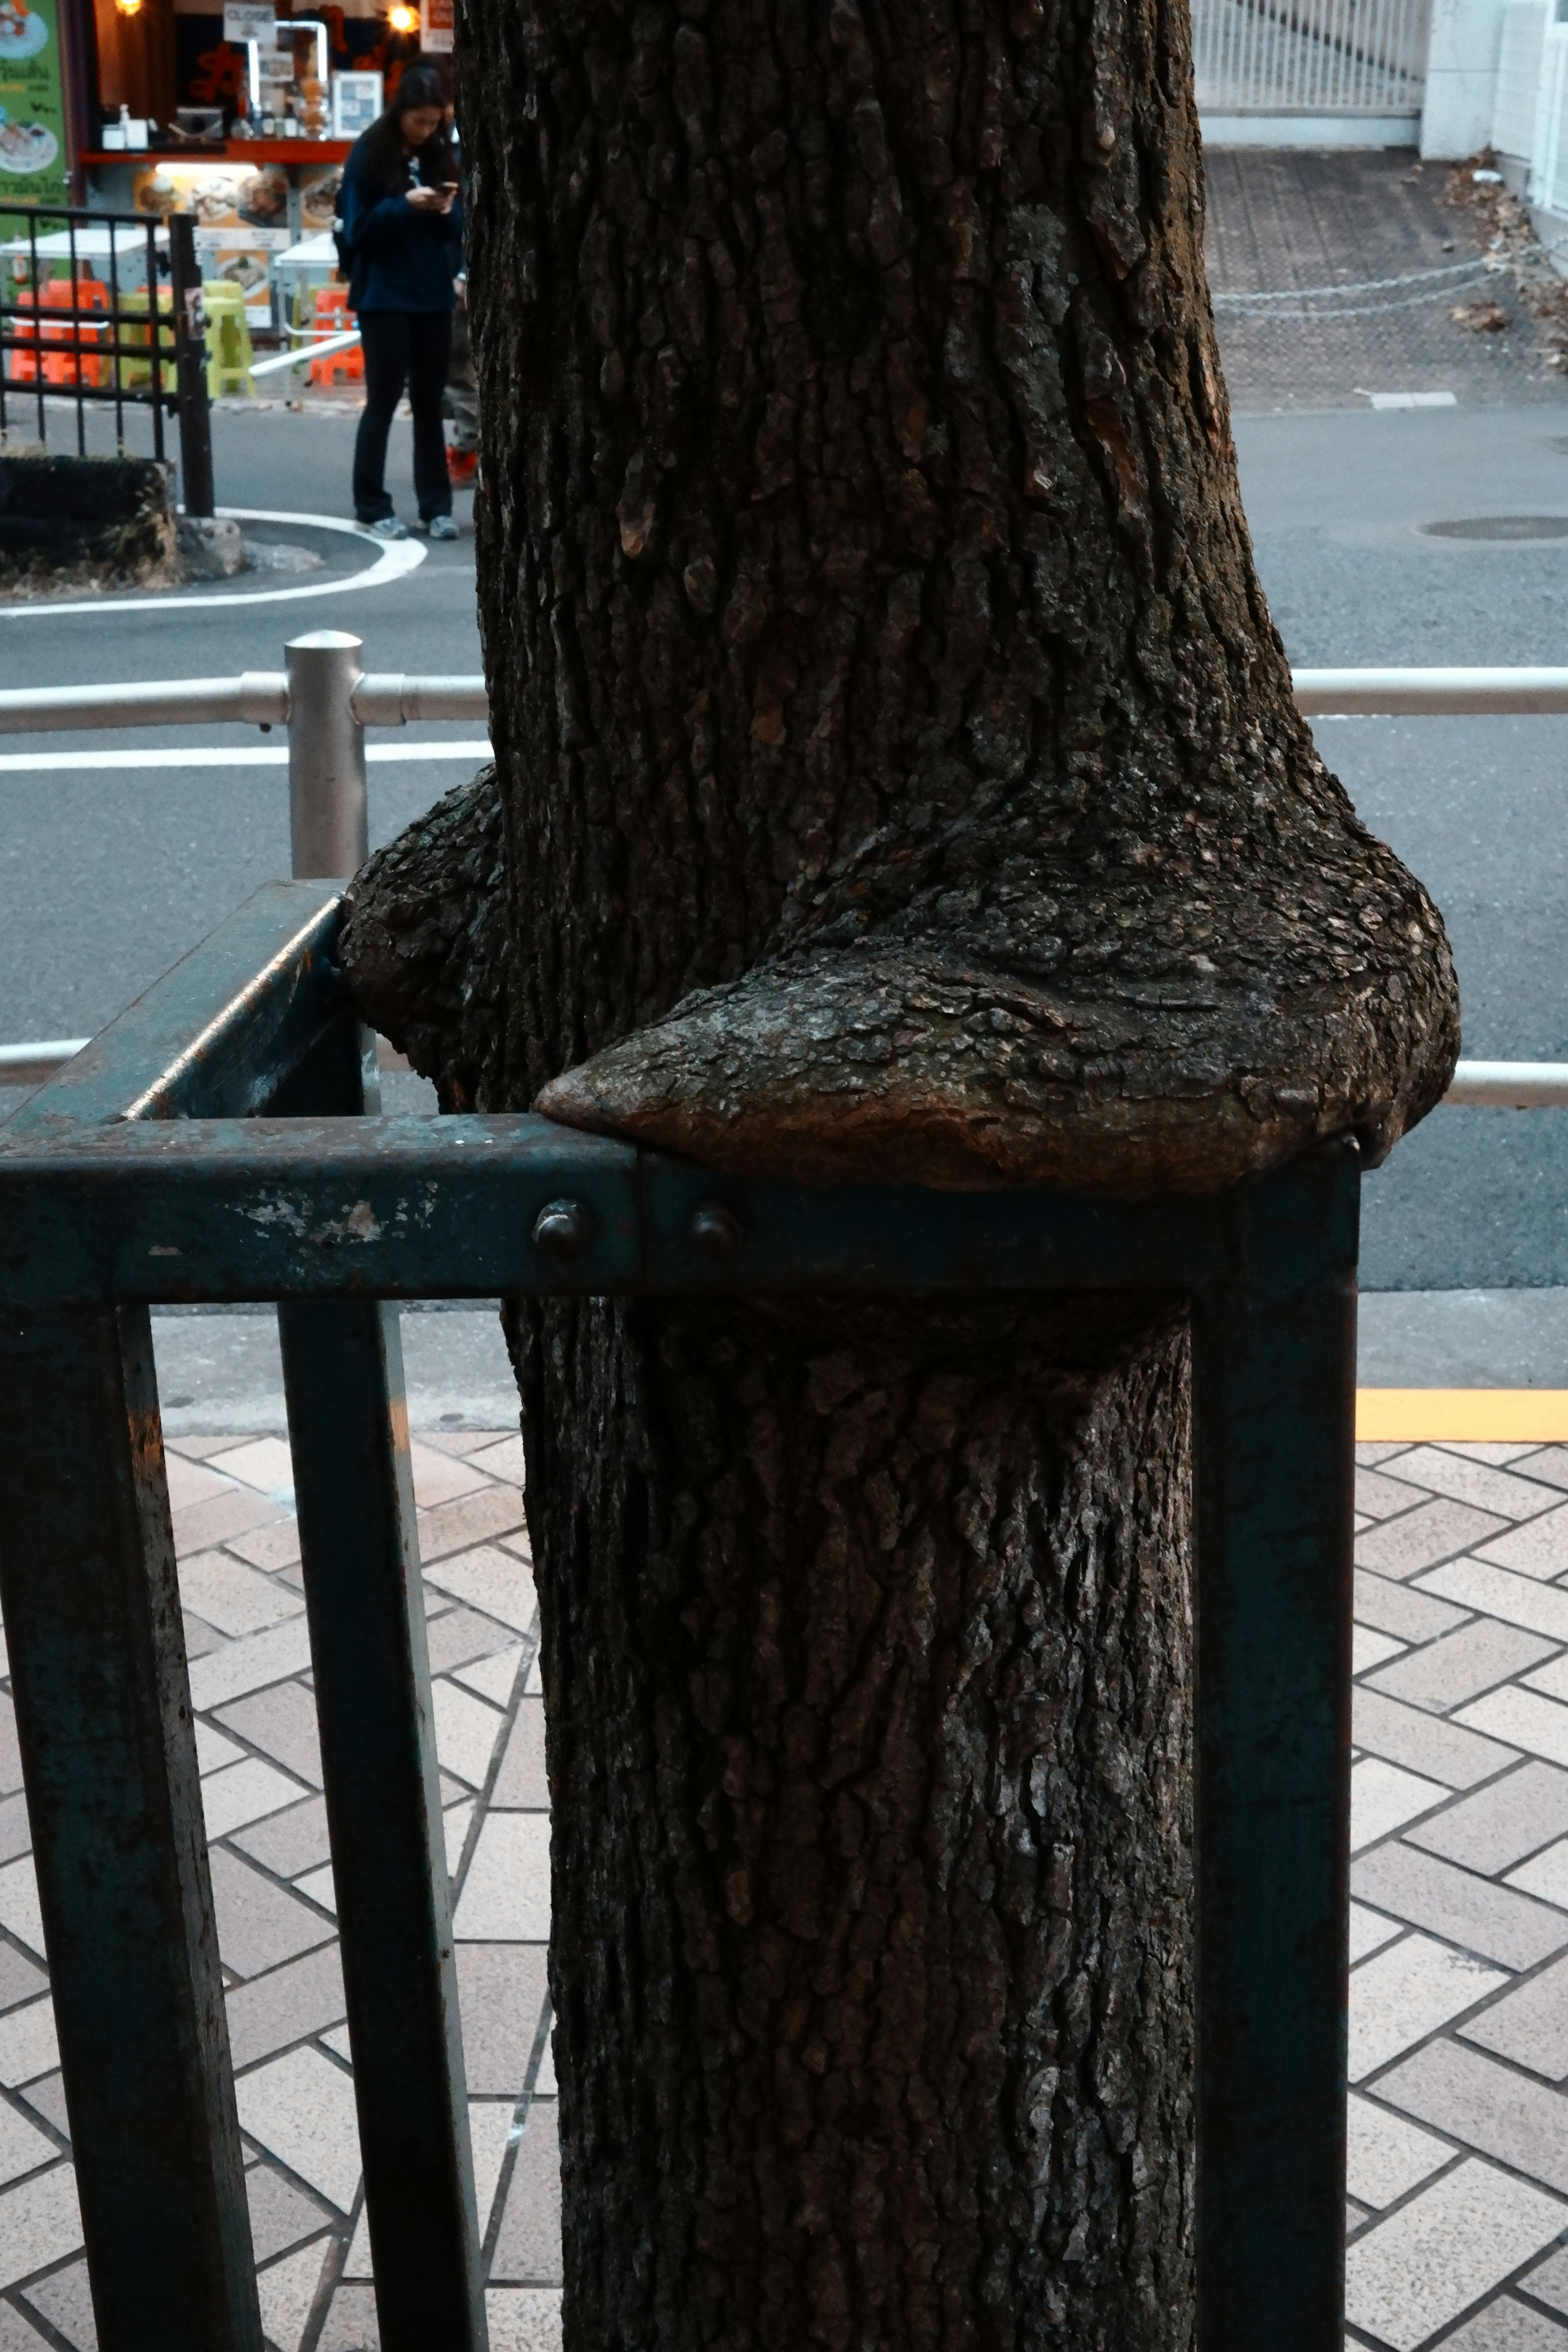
(327,700)
(1430,693)
(262,698)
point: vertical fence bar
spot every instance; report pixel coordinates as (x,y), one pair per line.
(77,315)
(191,358)
(117,336)
(348,1426)
(7,348)
(104,1713)
(38,318)
(155,343)
(1275,1390)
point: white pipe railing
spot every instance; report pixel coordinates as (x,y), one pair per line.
(258,697)
(1429,693)
(1509,1086)
(371,699)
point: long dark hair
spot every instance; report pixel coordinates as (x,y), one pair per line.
(385,159)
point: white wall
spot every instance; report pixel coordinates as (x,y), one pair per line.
(1461,77)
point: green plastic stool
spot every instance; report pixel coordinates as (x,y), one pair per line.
(135,372)
(229,352)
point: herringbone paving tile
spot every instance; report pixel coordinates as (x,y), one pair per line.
(272,1887)
(1458,2219)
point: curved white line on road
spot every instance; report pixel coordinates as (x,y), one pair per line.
(396,560)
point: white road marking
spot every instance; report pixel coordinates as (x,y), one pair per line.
(397,559)
(22,763)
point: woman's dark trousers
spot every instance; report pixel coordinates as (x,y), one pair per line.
(402,348)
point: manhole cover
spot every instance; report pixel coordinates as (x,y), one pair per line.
(1499,527)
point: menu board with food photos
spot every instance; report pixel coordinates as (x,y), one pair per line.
(242,220)
(319,193)
(221,195)
(229,256)
(35,167)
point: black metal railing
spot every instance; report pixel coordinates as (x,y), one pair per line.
(104,310)
(215,1145)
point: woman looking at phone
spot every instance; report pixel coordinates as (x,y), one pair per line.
(401,239)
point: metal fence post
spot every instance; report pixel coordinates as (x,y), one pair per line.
(1275,1394)
(348,1431)
(191,366)
(103,1715)
(328,815)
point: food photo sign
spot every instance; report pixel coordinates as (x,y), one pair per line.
(34,165)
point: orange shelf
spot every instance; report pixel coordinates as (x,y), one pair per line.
(305,152)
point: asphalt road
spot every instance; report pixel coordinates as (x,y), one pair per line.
(106,876)
(1473,1199)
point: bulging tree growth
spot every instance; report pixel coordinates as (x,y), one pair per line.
(896,778)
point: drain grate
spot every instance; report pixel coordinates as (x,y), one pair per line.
(1499,527)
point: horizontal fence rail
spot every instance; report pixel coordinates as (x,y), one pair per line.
(1430,693)
(396,699)
(257,698)
(391,699)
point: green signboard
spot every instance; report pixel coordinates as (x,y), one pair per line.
(35,167)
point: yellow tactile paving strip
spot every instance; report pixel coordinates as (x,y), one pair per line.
(1518,1416)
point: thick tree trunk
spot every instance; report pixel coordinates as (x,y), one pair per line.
(897,776)
(869,1751)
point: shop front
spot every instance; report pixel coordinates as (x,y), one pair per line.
(242,114)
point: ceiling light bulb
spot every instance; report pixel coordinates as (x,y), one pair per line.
(129,7)
(401,19)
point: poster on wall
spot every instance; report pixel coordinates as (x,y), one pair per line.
(221,195)
(226,257)
(319,193)
(356,102)
(435,27)
(35,167)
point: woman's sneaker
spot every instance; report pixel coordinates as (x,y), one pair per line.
(387,528)
(442,526)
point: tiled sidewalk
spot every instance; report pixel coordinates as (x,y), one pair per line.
(1459,2122)
(272,1885)
(1458,2013)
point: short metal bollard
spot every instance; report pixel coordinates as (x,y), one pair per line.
(142,1174)
(328,808)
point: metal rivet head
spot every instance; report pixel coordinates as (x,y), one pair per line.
(716,1232)
(564,1229)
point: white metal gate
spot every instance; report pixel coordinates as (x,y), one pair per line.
(1519,91)
(1310,67)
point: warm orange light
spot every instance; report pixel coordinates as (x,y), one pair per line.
(129,7)
(401,19)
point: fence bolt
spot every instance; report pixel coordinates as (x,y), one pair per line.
(564,1229)
(716,1232)
(328,822)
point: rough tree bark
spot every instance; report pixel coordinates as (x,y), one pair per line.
(897,776)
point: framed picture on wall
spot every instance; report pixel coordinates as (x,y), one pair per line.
(356,102)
